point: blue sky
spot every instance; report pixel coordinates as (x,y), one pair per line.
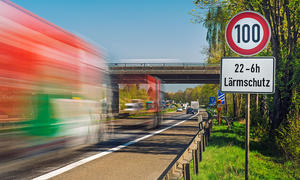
(130,29)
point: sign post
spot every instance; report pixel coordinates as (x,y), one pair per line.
(219,108)
(247,145)
(247,33)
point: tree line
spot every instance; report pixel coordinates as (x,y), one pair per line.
(200,93)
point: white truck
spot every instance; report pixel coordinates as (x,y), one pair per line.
(195,106)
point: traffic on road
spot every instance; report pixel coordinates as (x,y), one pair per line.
(143,104)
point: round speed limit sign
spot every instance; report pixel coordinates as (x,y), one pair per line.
(248,33)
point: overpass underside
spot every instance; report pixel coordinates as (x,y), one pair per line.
(169,73)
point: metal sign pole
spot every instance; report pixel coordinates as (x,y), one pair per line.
(247,138)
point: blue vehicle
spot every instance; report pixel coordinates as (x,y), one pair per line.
(190,110)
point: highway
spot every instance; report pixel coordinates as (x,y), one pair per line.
(128,153)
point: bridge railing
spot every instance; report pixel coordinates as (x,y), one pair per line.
(139,66)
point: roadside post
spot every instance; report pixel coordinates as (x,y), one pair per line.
(221,97)
(247,34)
(219,108)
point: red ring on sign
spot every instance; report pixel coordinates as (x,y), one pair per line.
(260,46)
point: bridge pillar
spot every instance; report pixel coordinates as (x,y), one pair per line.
(115,96)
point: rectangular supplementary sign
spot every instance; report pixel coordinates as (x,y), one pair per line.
(248,75)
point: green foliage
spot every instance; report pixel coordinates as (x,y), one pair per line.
(260,123)
(200,93)
(129,92)
(169,110)
(288,133)
(224,158)
(288,139)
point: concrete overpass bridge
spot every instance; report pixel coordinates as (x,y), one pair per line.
(169,73)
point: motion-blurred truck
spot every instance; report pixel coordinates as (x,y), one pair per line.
(51,87)
(140,100)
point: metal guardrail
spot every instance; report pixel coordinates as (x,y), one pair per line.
(180,167)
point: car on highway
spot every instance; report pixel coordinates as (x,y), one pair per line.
(179,110)
(195,111)
(189,110)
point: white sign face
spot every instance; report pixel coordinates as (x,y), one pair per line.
(248,74)
(248,33)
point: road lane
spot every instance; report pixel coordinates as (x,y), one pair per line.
(146,159)
(121,136)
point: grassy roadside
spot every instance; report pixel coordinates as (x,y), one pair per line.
(169,110)
(224,158)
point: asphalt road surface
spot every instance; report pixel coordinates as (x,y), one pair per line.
(128,153)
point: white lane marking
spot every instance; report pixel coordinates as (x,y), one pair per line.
(96,156)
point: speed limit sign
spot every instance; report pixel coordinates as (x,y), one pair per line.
(248,33)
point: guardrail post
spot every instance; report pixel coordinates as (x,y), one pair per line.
(200,150)
(206,136)
(208,132)
(195,161)
(203,142)
(167,177)
(200,122)
(186,171)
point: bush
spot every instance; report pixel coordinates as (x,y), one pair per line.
(288,133)
(288,138)
(259,125)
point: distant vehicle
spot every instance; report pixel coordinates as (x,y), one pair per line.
(195,111)
(195,104)
(190,110)
(179,110)
(185,106)
(133,107)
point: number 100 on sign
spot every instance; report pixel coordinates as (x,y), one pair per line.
(247,33)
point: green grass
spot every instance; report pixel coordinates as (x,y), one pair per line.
(224,158)
(169,110)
